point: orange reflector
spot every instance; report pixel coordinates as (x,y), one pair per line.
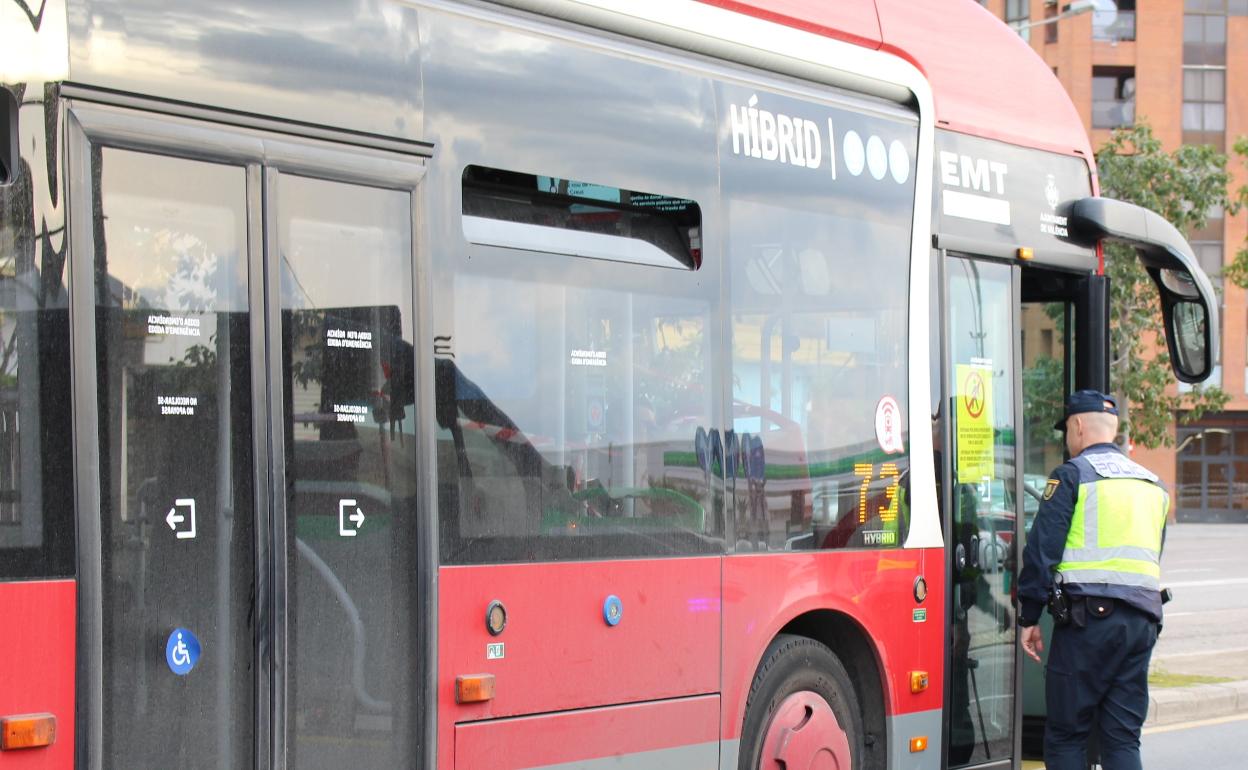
(474,688)
(28,731)
(918,681)
(918,744)
(1026,252)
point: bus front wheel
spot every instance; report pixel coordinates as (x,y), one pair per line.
(802,711)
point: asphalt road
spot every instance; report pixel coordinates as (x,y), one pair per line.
(1206,565)
(1213,745)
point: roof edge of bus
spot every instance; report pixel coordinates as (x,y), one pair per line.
(1017,99)
(728,30)
(1000,102)
(856,21)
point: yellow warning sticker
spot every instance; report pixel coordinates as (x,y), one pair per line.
(975,454)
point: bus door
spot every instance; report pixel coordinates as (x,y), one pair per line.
(1062,322)
(982,399)
(243,327)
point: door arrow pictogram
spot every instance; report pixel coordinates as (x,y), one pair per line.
(356,518)
(174,518)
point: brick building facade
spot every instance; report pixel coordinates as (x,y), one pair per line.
(1182,65)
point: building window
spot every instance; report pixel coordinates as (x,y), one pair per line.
(1204,106)
(1229,7)
(1204,71)
(1017,10)
(1115,23)
(1212,478)
(1113,96)
(1204,38)
(1209,256)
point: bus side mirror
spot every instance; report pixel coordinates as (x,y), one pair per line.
(1187,296)
(9,158)
(1188,330)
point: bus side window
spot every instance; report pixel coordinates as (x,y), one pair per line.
(577,386)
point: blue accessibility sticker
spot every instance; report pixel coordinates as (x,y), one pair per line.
(182,651)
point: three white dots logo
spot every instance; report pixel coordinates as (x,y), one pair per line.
(874,157)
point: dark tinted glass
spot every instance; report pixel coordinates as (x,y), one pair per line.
(1217,486)
(36,436)
(573,423)
(818,255)
(1190,484)
(564,216)
(176,465)
(1239,487)
(983,522)
(347,361)
(574,401)
(1045,335)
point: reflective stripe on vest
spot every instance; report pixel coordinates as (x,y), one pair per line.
(1115,532)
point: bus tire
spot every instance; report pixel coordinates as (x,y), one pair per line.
(802,711)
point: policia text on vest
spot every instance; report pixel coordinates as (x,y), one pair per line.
(1098,535)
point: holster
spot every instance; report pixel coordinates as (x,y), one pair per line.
(1059,605)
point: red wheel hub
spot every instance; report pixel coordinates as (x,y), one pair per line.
(804,735)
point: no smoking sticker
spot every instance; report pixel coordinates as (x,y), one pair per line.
(974,436)
(974,393)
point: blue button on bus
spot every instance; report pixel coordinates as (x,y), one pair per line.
(612,610)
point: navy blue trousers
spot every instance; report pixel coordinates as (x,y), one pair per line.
(1101,671)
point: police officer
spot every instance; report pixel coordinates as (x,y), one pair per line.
(1098,536)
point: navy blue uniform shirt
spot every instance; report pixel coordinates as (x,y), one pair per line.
(1047,541)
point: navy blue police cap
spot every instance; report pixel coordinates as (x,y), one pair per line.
(1084,401)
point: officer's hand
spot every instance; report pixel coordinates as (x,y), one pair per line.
(1033,642)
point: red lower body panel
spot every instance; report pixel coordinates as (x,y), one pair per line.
(558,653)
(562,671)
(37,628)
(593,734)
(763,593)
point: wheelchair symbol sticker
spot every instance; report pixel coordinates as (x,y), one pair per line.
(182,651)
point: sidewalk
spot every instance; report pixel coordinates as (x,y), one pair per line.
(1170,705)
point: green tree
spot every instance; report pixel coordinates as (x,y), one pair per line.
(1182,186)
(1237,271)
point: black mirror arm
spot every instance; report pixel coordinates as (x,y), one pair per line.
(1160,247)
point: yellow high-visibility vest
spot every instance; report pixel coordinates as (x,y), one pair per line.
(1115,532)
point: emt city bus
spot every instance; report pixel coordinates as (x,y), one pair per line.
(534,383)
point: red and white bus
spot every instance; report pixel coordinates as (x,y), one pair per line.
(534,383)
